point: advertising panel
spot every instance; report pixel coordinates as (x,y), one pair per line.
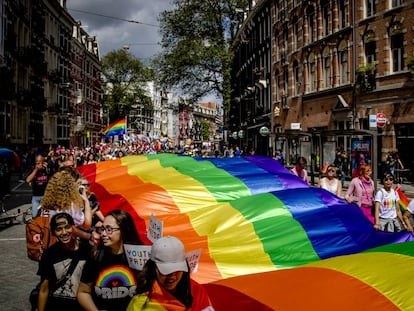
(361,154)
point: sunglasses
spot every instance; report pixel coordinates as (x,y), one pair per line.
(331,170)
(388,179)
(86,185)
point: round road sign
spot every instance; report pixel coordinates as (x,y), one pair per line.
(381,120)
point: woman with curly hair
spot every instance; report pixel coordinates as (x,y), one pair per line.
(62,195)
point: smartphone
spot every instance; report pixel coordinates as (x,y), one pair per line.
(81,189)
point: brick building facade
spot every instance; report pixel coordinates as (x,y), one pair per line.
(333,64)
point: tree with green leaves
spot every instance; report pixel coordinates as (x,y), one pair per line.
(205,130)
(124,78)
(196,41)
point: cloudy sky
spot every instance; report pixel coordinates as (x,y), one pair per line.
(106,19)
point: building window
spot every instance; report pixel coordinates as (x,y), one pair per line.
(278,89)
(311,21)
(277,50)
(285,42)
(312,73)
(342,14)
(296,77)
(295,33)
(397,49)
(370,47)
(4,118)
(62,128)
(325,18)
(285,81)
(277,8)
(396,3)
(369,8)
(343,63)
(326,68)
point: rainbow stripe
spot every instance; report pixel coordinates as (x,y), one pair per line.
(352,282)
(251,217)
(119,274)
(115,128)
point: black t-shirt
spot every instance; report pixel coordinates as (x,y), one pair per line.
(113,282)
(54,266)
(40,181)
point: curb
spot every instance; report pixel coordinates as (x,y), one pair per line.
(16,213)
(22,208)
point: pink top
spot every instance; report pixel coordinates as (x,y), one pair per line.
(303,174)
(361,190)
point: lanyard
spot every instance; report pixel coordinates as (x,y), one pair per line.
(363,187)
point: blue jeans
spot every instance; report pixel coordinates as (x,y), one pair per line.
(36,204)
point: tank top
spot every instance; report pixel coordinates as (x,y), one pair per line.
(331,187)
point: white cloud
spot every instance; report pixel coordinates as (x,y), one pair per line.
(107,23)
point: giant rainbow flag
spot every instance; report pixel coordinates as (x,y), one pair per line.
(115,128)
(269,241)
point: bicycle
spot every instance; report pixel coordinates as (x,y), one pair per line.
(7,218)
(27,215)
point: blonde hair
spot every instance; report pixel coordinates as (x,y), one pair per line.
(61,191)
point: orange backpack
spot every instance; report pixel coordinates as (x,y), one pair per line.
(38,236)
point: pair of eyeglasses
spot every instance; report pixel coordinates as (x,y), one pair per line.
(107,229)
(388,179)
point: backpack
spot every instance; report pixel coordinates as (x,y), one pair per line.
(38,236)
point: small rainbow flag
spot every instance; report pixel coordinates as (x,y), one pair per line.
(404,201)
(115,128)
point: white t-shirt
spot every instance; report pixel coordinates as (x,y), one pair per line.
(76,213)
(388,203)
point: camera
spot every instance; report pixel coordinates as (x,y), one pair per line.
(81,189)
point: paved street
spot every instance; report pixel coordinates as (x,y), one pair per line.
(18,273)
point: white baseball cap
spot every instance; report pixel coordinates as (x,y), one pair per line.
(169,255)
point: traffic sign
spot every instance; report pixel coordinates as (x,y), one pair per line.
(372,121)
(381,120)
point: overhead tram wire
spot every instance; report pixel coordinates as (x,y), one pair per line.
(113,17)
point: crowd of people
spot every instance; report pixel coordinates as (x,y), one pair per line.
(90,248)
(380,206)
(91,244)
(77,275)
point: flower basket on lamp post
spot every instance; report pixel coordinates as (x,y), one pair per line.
(365,77)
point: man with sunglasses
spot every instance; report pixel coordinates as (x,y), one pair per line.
(388,215)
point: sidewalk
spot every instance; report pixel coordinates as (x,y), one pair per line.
(18,272)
